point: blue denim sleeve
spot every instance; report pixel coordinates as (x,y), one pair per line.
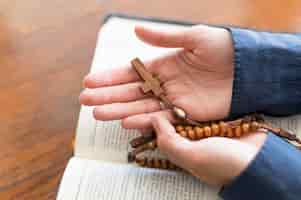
(267,77)
(273,174)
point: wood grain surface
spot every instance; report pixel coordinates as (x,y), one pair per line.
(46,48)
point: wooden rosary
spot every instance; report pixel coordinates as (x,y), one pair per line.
(191,129)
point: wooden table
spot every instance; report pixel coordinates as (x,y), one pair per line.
(46,47)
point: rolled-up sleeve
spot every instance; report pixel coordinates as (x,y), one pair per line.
(275,173)
(267,77)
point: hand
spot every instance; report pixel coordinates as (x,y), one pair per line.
(216,161)
(197,78)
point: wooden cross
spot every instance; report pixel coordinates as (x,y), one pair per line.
(151,82)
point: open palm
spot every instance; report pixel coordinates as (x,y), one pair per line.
(197,78)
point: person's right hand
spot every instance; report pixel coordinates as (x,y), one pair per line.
(197,78)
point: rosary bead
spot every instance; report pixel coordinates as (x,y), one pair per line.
(183,134)
(171,166)
(237,131)
(157,163)
(191,135)
(141,161)
(150,162)
(245,128)
(188,128)
(254,126)
(207,131)
(215,129)
(179,128)
(230,132)
(199,132)
(222,128)
(164,164)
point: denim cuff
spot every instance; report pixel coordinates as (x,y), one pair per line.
(267,76)
(273,174)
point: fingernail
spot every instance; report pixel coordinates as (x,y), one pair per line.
(86,80)
(86,97)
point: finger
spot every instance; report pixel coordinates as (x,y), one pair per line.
(121,75)
(110,77)
(122,110)
(113,94)
(177,148)
(172,39)
(145,120)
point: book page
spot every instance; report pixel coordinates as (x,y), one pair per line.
(100,180)
(117,45)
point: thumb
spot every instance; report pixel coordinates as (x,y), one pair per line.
(169,142)
(170,39)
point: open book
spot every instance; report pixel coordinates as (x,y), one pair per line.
(99,168)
